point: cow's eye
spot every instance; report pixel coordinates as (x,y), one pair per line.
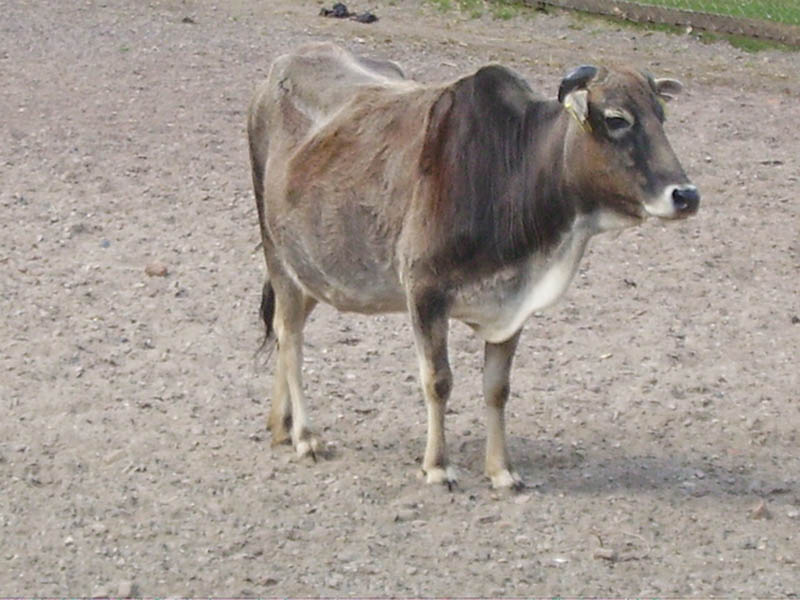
(617,124)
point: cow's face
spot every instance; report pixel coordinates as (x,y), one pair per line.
(625,168)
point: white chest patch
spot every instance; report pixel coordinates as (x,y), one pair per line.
(541,282)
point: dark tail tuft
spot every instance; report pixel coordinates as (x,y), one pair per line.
(267,311)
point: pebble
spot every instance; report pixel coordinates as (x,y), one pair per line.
(98,528)
(485,519)
(606,554)
(522,539)
(760,511)
(114,456)
(156,269)
(125,589)
(405,514)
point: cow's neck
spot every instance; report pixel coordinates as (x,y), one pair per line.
(507,197)
(553,205)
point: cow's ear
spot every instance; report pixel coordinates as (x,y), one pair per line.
(577,104)
(573,95)
(667,89)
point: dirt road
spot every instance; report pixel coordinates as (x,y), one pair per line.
(654,411)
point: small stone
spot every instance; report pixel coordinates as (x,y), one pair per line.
(522,539)
(69,540)
(98,528)
(114,456)
(760,511)
(608,554)
(405,514)
(486,519)
(126,589)
(156,269)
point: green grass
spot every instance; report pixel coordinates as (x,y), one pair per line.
(781,11)
(499,9)
(505,9)
(473,7)
(742,42)
(784,11)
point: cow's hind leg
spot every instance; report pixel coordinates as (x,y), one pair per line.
(279,421)
(288,414)
(496,368)
(429,320)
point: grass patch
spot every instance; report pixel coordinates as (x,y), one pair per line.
(472,7)
(505,10)
(741,42)
(499,9)
(786,11)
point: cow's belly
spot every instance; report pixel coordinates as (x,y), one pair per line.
(498,307)
(369,292)
(348,278)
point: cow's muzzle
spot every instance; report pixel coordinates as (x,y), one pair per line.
(686,200)
(675,202)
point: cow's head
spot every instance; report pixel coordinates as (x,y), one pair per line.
(619,159)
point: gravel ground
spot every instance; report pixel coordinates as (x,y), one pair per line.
(654,411)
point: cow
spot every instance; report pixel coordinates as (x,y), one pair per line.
(471,200)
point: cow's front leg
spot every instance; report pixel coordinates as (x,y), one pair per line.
(496,368)
(429,320)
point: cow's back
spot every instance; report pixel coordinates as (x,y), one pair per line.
(304,89)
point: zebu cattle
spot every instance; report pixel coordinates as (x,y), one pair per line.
(470,200)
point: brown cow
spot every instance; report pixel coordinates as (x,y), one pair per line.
(471,200)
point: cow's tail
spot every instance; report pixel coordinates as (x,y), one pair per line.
(267,313)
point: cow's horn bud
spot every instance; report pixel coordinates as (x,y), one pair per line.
(578,78)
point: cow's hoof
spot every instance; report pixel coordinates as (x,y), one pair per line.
(310,447)
(507,480)
(280,429)
(280,437)
(445,477)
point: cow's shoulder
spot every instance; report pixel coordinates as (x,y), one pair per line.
(486,207)
(497,90)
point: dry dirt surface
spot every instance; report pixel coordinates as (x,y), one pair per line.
(654,411)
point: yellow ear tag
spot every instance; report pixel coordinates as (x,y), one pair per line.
(663,102)
(571,107)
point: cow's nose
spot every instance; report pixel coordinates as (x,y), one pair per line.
(686,199)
